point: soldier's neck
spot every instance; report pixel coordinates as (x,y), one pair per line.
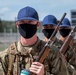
(62,38)
(46,39)
(28,42)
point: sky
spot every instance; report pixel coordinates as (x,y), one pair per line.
(10,8)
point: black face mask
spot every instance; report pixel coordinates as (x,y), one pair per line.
(27,30)
(48,32)
(64,32)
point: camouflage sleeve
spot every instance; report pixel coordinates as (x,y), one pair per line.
(58,65)
(69,53)
(3,62)
(72,61)
(1,70)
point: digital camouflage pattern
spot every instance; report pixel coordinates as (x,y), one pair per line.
(54,63)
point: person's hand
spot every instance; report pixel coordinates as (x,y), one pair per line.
(37,68)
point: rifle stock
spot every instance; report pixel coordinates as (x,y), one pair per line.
(70,37)
(44,52)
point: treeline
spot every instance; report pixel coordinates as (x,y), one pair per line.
(7,26)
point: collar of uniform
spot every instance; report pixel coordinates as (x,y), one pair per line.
(58,43)
(73,44)
(28,49)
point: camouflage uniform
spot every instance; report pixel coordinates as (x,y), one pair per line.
(73,60)
(54,63)
(70,53)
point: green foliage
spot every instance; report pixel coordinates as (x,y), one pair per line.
(7,25)
(10,25)
(1,26)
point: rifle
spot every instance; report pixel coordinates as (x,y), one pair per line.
(45,50)
(65,45)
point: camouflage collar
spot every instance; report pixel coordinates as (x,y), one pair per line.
(27,49)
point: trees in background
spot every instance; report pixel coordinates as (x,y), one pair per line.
(1,26)
(7,25)
(10,25)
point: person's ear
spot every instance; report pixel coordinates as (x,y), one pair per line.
(17,24)
(38,24)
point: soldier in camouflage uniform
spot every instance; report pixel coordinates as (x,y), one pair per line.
(48,26)
(22,55)
(64,31)
(73,60)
